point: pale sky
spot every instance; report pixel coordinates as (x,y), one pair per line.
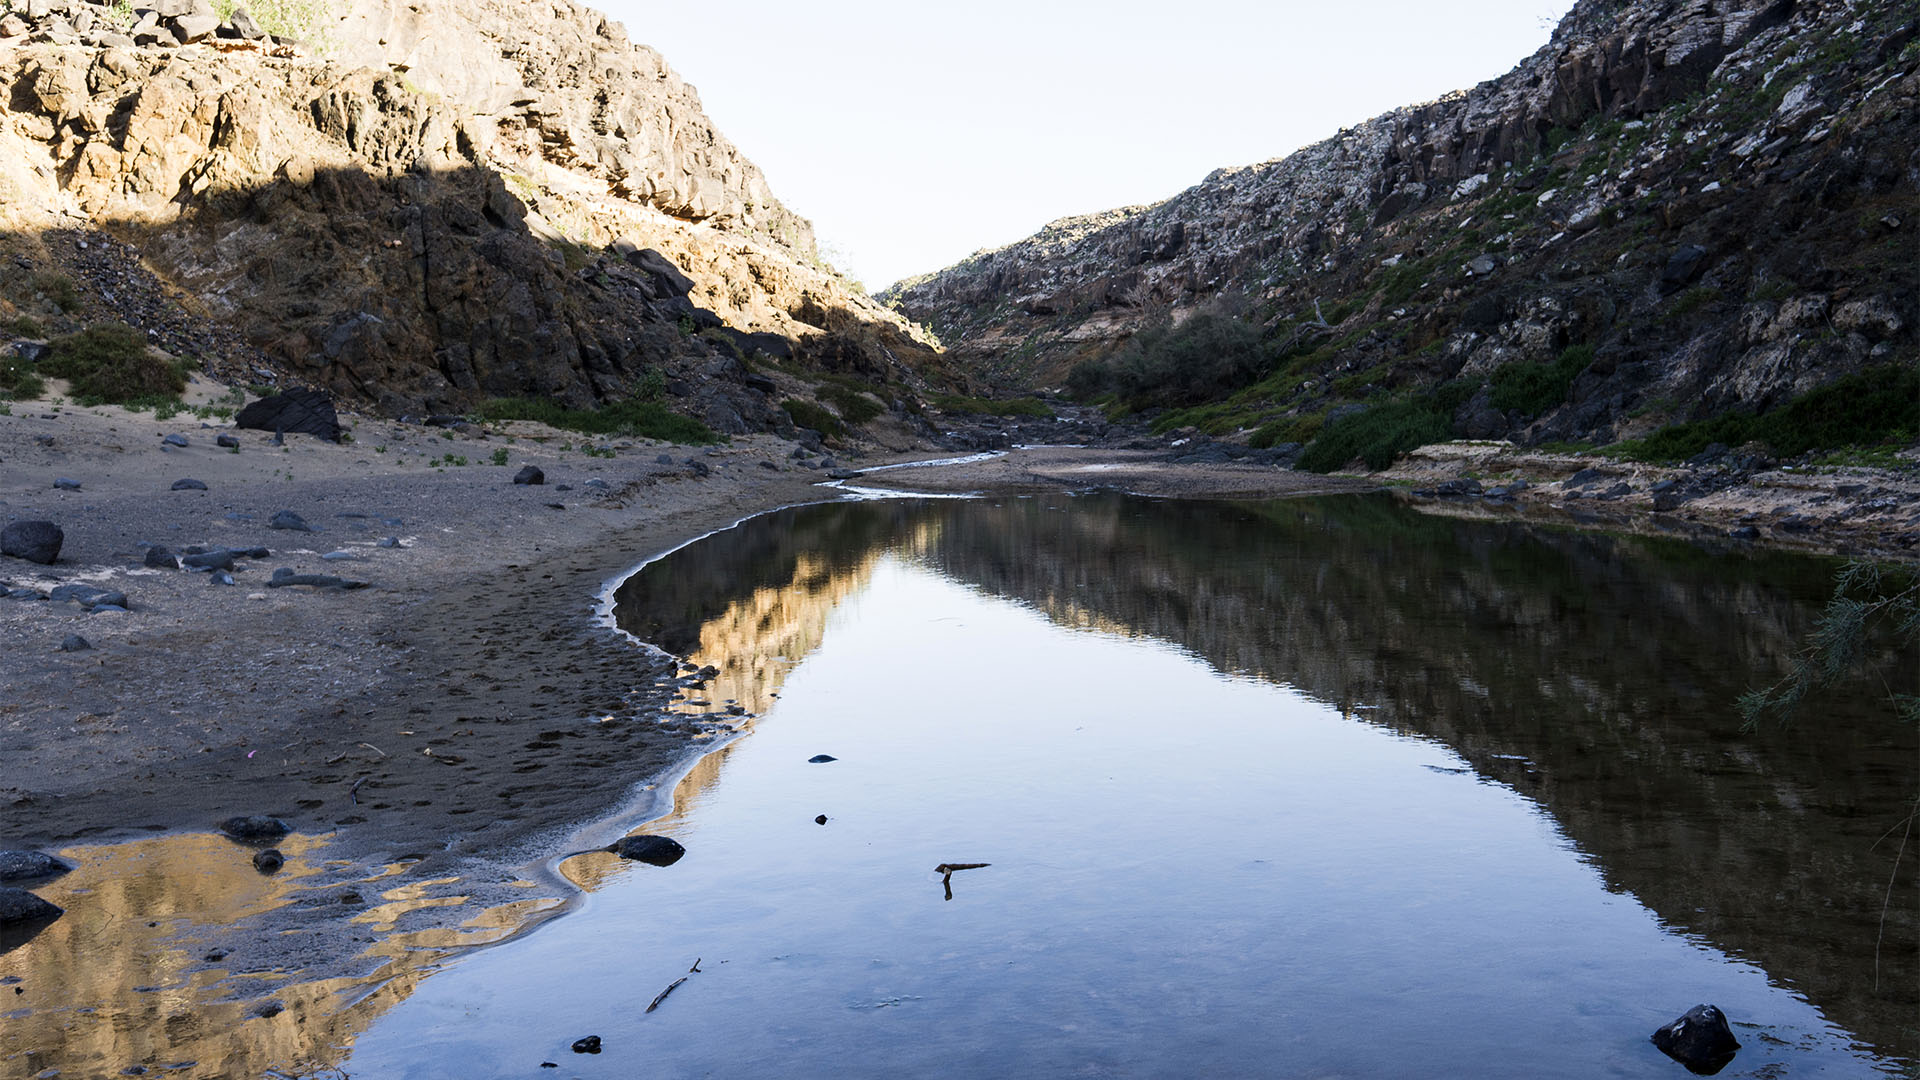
(914,134)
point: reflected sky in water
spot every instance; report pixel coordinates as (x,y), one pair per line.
(1443,817)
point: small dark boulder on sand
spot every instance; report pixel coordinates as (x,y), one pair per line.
(34,541)
(308,412)
(189,484)
(287,519)
(210,560)
(159,557)
(821,759)
(1700,1040)
(652,850)
(269,861)
(30,866)
(257,827)
(75,643)
(530,475)
(226,442)
(284,577)
(21,906)
(90,597)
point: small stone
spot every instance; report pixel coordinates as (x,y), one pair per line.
(216,956)
(338,556)
(652,850)
(226,442)
(820,820)
(189,484)
(65,484)
(598,484)
(220,577)
(210,560)
(29,865)
(821,759)
(530,475)
(75,643)
(1700,1040)
(269,861)
(588,1045)
(160,557)
(389,542)
(663,459)
(287,519)
(257,827)
(176,440)
(34,541)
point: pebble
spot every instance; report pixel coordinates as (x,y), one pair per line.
(65,484)
(75,643)
(226,442)
(821,759)
(176,440)
(269,861)
(588,1045)
(189,484)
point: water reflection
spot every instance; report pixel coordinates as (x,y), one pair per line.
(1593,673)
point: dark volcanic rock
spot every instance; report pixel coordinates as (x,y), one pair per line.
(588,1045)
(210,560)
(258,827)
(821,759)
(19,905)
(530,474)
(287,519)
(226,442)
(160,557)
(189,484)
(307,412)
(1700,1040)
(30,865)
(74,643)
(87,596)
(284,577)
(34,541)
(269,861)
(652,850)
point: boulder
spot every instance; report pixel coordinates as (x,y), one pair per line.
(1700,1040)
(226,442)
(175,440)
(285,577)
(75,643)
(87,596)
(160,558)
(244,25)
(62,483)
(1682,267)
(256,827)
(530,474)
(287,519)
(30,865)
(666,276)
(210,560)
(191,28)
(306,412)
(34,541)
(652,850)
(19,906)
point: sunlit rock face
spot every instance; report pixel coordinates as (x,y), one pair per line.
(420,206)
(1533,212)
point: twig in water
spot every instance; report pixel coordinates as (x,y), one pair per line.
(945,870)
(664,993)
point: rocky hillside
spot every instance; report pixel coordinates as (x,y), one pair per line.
(1677,209)
(420,206)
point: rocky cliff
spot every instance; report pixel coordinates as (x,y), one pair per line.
(420,206)
(1714,204)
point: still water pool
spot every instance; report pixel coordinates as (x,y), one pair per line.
(1320,788)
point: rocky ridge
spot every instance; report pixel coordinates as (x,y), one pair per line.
(418,207)
(1720,199)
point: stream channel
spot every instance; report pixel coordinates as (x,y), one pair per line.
(1310,788)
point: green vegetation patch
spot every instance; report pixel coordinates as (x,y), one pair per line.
(856,407)
(636,419)
(1876,406)
(18,379)
(1534,388)
(110,364)
(58,289)
(1205,358)
(1021,406)
(1377,435)
(809,414)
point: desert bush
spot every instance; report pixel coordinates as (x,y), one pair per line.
(1878,405)
(111,364)
(636,419)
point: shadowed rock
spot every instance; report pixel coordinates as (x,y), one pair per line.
(530,474)
(269,861)
(30,866)
(307,412)
(284,577)
(257,827)
(287,519)
(21,906)
(34,541)
(652,850)
(1700,1040)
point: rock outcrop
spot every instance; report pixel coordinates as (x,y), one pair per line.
(1721,199)
(418,206)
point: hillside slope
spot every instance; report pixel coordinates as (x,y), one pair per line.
(421,206)
(1674,210)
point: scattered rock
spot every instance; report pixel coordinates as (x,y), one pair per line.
(530,475)
(19,906)
(598,484)
(89,597)
(284,577)
(821,759)
(305,412)
(226,442)
(220,577)
(175,440)
(1744,532)
(266,1010)
(75,643)
(34,541)
(389,542)
(1683,266)
(842,474)
(189,484)
(698,468)
(258,827)
(160,557)
(210,560)
(652,850)
(216,956)
(287,519)
(339,556)
(269,861)
(588,1045)
(30,865)
(663,459)
(64,484)
(1700,1040)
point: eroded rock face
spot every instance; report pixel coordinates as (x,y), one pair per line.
(1629,187)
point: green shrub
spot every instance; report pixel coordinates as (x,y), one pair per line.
(110,364)
(1377,435)
(1535,388)
(1287,429)
(1878,405)
(25,326)
(57,288)
(1020,406)
(1204,358)
(808,414)
(17,380)
(854,406)
(636,419)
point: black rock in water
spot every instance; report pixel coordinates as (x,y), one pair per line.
(30,865)
(1700,1040)
(588,1045)
(820,820)
(160,558)
(530,474)
(258,827)
(189,484)
(308,412)
(287,519)
(821,759)
(19,906)
(269,861)
(34,541)
(652,850)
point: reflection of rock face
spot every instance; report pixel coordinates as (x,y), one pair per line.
(1593,673)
